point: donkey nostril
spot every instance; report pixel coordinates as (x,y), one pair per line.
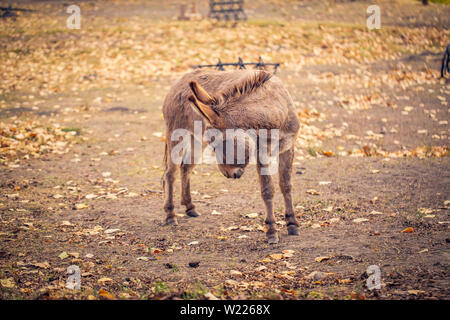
(238,174)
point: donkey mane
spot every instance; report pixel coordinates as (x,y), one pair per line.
(244,87)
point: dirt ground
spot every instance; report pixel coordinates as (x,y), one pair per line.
(371,178)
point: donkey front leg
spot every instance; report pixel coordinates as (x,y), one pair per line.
(169,179)
(285,172)
(267,191)
(186,200)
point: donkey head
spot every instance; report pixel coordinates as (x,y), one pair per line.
(213,108)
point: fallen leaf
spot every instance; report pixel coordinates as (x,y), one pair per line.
(322,258)
(260,268)
(43,265)
(142,258)
(288,253)
(63,255)
(76,255)
(210,296)
(231,282)
(105,294)
(415,292)
(80,206)
(104,280)
(252,215)
(312,192)
(108,231)
(344,281)
(276,256)
(8,283)
(359,220)
(425,210)
(408,230)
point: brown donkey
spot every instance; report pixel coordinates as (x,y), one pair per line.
(221,100)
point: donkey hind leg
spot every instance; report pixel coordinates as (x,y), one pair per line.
(169,179)
(267,191)
(285,171)
(185,172)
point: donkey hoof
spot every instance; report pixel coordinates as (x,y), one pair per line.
(272,238)
(172,221)
(292,230)
(192,213)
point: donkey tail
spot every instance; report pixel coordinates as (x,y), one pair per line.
(163,182)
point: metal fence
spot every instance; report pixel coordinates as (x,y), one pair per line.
(260,65)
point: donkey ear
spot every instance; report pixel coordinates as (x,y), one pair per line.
(201,94)
(206,111)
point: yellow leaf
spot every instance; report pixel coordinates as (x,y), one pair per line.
(80,206)
(104,280)
(252,215)
(276,256)
(105,294)
(8,283)
(320,259)
(288,253)
(415,292)
(63,255)
(344,281)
